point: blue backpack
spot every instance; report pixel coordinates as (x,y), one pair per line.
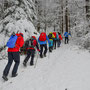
(11,42)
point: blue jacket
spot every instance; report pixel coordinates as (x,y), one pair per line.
(44,42)
(51,43)
(66,34)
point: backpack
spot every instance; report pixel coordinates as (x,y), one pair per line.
(11,42)
(54,33)
(42,36)
(26,43)
(32,42)
(60,37)
(66,34)
(50,36)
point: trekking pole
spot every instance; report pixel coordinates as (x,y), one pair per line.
(36,60)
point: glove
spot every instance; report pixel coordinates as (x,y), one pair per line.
(38,50)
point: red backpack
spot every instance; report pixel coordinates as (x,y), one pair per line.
(60,37)
(54,34)
(42,36)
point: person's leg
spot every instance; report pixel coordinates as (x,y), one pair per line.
(41,51)
(32,57)
(59,43)
(52,48)
(27,57)
(49,49)
(16,56)
(45,51)
(55,44)
(65,39)
(52,45)
(7,68)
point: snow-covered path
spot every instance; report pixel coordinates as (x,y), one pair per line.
(66,67)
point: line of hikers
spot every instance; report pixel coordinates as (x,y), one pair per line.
(16,41)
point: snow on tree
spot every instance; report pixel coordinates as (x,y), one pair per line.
(45,15)
(16,16)
(72,15)
(79,23)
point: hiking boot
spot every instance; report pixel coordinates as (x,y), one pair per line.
(5,78)
(50,50)
(14,75)
(44,55)
(24,63)
(41,56)
(31,64)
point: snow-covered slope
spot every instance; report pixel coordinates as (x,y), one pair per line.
(18,16)
(66,67)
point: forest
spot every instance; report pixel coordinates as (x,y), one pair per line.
(30,16)
(50,45)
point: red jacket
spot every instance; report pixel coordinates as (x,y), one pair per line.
(19,43)
(60,37)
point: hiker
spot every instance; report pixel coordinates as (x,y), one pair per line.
(13,54)
(51,37)
(66,34)
(55,40)
(43,38)
(60,38)
(30,46)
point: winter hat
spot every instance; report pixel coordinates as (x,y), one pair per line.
(50,33)
(34,37)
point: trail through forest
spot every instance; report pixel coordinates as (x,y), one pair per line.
(67,67)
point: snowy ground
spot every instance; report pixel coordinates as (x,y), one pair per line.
(66,67)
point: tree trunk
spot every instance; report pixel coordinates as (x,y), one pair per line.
(45,27)
(66,17)
(69,22)
(62,15)
(38,27)
(87,9)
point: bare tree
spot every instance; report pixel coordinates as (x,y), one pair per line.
(87,9)
(62,15)
(66,16)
